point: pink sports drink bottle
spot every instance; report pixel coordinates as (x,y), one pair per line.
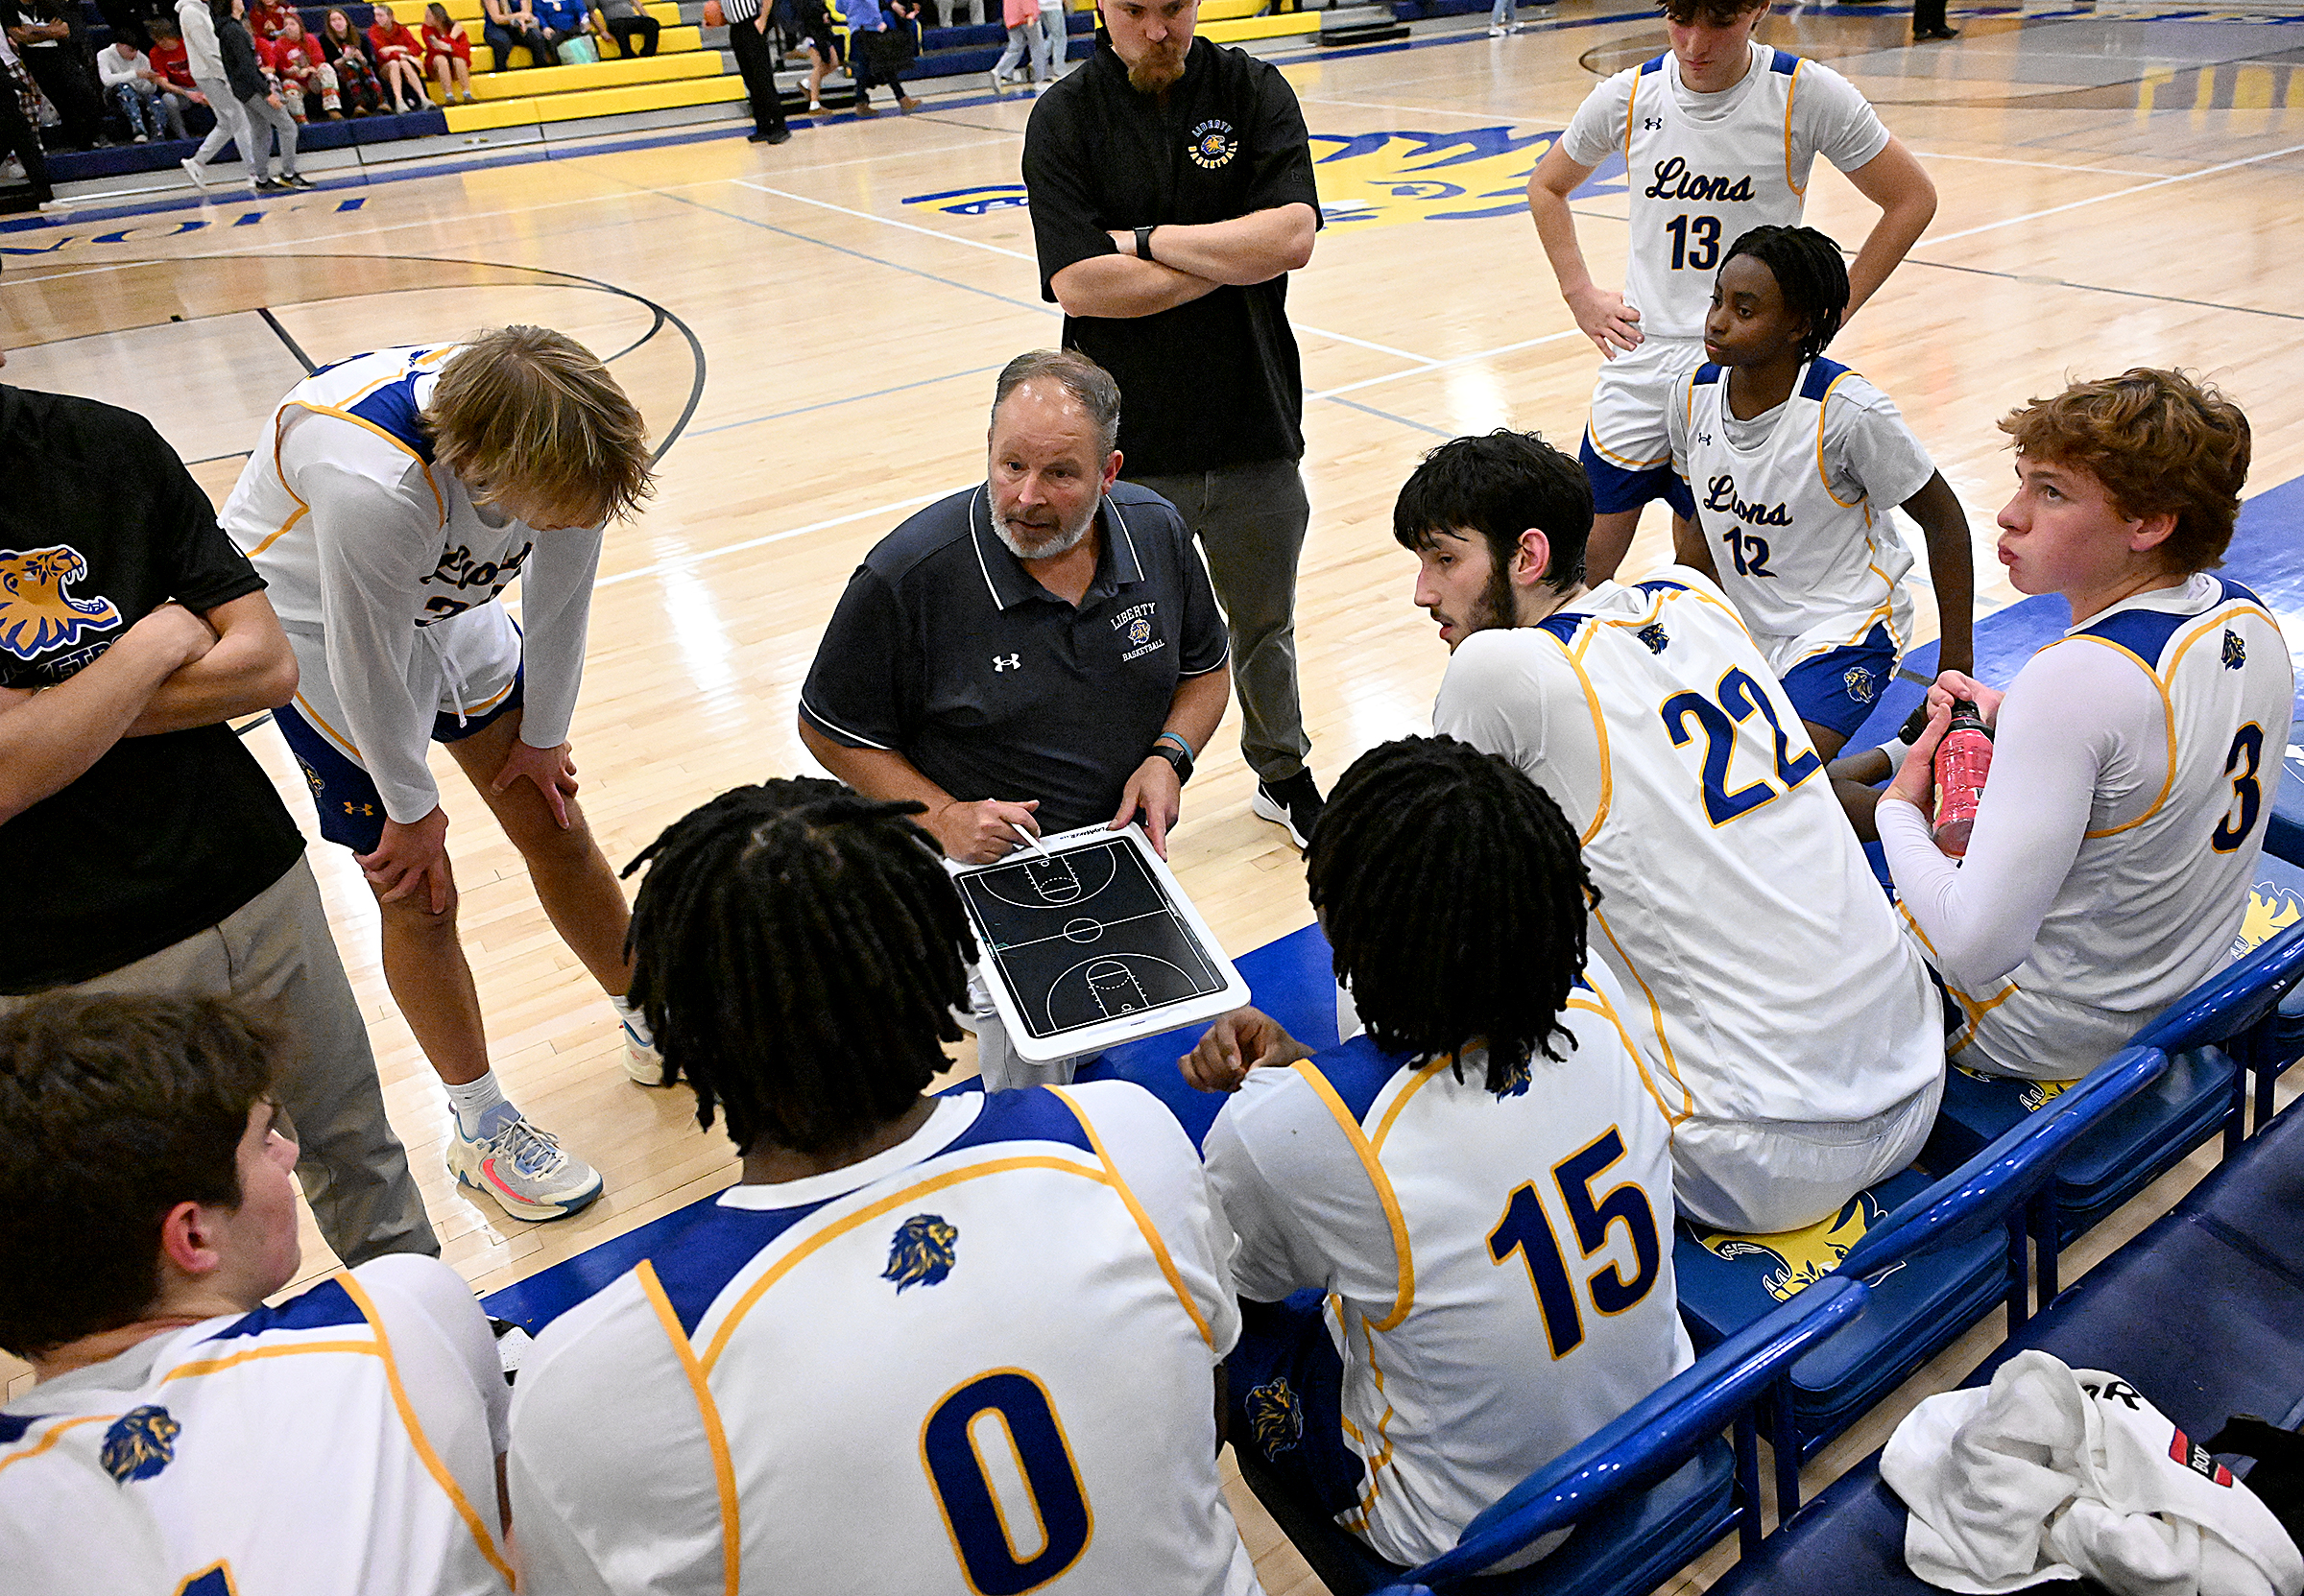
(1963,759)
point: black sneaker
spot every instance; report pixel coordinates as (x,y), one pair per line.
(1293,805)
(265,186)
(295,179)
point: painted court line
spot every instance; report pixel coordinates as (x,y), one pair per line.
(1452,360)
(689,562)
(2119,193)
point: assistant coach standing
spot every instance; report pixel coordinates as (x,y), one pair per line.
(1171,192)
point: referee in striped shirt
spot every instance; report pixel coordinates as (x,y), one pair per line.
(755,59)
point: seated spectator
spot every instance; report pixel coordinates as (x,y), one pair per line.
(505,23)
(448,54)
(400,60)
(348,53)
(345,1440)
(1494,1088)
(1800,1043)
(267,18)
(561,21)
(171,60)
(896,1276)
(46,35)
(301,70)
(141,94)
(624,20)
(2113,848)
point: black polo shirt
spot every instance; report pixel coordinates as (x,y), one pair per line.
(945,650)
(1216,382)
(165,836)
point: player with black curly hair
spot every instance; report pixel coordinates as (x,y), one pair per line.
(1794,460)
(894,1277)
(1493,1109)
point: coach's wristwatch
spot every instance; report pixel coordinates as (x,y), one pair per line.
(1177,753)
(1143,251)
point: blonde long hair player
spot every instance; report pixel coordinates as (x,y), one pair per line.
(2134,759)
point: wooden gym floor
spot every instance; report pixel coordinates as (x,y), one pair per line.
(812,331)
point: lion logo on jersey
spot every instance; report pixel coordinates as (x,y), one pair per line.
(35,614)
(1859,685)
(1276,1413)
(2270,909)
(2031,1095)
(1800,1258)
(140,1442)
(2236,652)
(923,1253)
(1654,636)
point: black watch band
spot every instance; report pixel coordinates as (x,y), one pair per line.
(1175,756)
(1143,243)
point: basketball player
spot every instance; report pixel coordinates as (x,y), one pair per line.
(1794,460)
(927,1345)
(1494,1106)
(392,499)
(1801,1043)
(2134,759)
(1719,135)
(184,1438)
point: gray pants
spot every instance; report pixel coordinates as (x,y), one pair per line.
(1250,520)
(275,953)
(231,127)
(264,119)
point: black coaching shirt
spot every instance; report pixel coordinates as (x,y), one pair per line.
(1216,382)
(163,836)
(945,650)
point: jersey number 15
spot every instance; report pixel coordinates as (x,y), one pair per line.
(1524,1229)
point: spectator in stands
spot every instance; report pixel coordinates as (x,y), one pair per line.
(20,129)
(266,18)
(48,39)
(1022,18)
(355,72)
(399,56)
(823,45)
(301,70)
(880,41)
(505,23)
(2113,848)
(259,104)
(1048,50)
(1492,1080)
(623,20)
(196,20)
(141,94)
(170,59)
(559,21)
(448,54)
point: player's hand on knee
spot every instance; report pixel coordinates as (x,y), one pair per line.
(1242,1040)
(1155,793)
(978,833)
(1955,685)
(1603,316)
(411,858)
(552,769)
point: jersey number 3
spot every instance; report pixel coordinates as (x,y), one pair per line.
(992,1448)
(2240,762)
(1738,696)
(1524,1229)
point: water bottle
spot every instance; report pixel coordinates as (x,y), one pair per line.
(1963,759)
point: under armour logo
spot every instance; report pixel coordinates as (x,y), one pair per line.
(1008,662)
(1705,438)
(1651,122)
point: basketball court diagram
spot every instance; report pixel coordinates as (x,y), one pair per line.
(1084,936)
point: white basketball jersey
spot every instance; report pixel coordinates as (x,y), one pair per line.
(1501,1266)
(1697,185)
(2155,896)
(1757,957)
(1793,556)
(978,1361)
(302,1450)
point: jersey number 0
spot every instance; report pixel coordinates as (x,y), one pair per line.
(1003,1419)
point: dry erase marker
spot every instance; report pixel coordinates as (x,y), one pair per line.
(1031,841)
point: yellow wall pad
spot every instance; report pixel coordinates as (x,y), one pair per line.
(469,12)
(672,42)
(1260,27)
(1226,10)
(595,102)
(545,81)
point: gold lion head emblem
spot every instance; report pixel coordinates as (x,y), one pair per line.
(1802,1257)
(1276,1413)
(37,614)
(139,1443)
(922,1253)
(2270,909)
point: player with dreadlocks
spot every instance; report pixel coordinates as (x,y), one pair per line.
(892,1273)
(1794,460)
(1494,1097)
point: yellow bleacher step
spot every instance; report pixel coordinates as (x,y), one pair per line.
(594,102)
(1260,27)
(670,42)
(469,12)
(537,81)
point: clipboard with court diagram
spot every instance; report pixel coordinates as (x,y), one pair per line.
(1093,945)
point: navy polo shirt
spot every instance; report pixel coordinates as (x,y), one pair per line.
(945,650)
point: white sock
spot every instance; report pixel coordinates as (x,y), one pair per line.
(632,1017)
(481,1108)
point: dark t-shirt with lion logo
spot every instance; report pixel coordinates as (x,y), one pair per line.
(163,836)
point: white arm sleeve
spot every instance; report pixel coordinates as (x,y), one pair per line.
(1597,128)
(556,606)
(2073,712)
(375,542)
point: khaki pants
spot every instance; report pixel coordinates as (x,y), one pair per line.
(276,954)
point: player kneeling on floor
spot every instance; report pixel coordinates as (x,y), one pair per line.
(1493,1115)
(182,1435)
(926,1344)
